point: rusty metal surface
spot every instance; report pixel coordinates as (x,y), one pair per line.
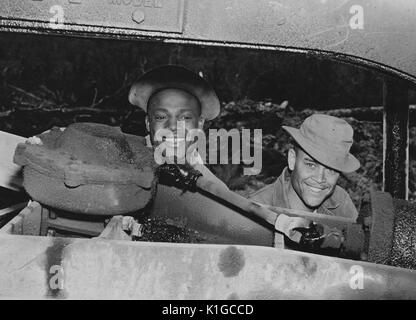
(153,15)
(375,33)
(404,242)
(64,268)
(201,211)
(392,239)
(396,138)
(382,227)
(88,168)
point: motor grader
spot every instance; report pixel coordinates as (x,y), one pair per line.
(237,259)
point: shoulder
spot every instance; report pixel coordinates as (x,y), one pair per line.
(272,194)
(342,204)
(266,189)
(265,195)
(341,194)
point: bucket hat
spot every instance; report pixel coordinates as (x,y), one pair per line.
(328,140)
(175,77)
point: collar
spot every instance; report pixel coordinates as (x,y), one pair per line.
(148,142)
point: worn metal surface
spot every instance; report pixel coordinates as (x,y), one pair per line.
(382,227)
(393,231)
(103,269)
(396,138)
(377,33)
(205,213)
(10,173)
(88,168)
(404,242)
(226,223)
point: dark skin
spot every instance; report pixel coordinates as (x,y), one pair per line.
(173,109)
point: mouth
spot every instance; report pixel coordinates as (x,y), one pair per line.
(174,141)
(315,189)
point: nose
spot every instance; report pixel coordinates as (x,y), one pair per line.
(172,125)
(320,176)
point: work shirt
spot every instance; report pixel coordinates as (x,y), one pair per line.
(338,204)
(197,163)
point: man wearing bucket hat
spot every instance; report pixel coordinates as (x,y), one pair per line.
(176,100)
(309,182)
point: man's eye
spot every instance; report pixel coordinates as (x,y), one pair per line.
(186,118)
(160,117)
(311,165)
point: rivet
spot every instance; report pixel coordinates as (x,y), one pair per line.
(138,16)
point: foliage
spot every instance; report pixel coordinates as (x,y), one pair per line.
(54,81)
(368,148)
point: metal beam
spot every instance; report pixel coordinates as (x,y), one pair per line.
(396,138)
(63,268)
(374,33)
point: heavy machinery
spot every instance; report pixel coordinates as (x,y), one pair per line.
(238,262)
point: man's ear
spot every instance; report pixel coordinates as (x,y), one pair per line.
(146,121)
(201,122)
(291,159)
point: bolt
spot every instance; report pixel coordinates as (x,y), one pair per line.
(138,16)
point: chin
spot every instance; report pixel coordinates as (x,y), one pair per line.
(313,206)
(313,203)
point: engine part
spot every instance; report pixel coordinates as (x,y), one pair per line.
(88,168)
(393,231)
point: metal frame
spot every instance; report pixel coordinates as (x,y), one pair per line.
(298,26)
(311,27)
(303,26)
(64,268)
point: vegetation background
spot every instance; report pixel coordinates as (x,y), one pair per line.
(48,81)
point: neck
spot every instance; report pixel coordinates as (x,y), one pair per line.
(295,202)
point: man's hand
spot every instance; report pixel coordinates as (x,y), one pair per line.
(318,236)
(308,233)
(291,226)
(182,176)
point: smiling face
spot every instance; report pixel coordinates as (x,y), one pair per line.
(170,109)
(311,182)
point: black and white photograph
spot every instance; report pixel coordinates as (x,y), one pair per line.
(219,151)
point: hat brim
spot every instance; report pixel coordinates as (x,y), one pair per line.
(346,165)
(171,76)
